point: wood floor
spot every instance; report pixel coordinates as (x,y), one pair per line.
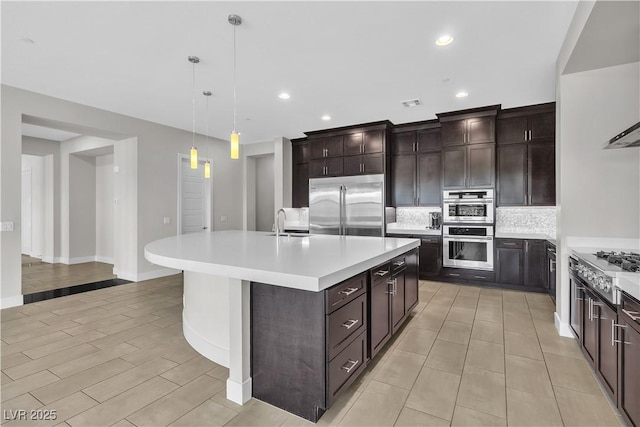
(468,356)
(38,276)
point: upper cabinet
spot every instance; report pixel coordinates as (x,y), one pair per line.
(468,154)
(526,156)
(300,180)
(332,146)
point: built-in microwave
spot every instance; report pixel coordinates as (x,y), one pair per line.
(468,206)
(467,247)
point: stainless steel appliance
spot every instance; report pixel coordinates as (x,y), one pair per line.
(347,205)
(434,220)
(627,138)
(468,246)
(601,271)
(468,206)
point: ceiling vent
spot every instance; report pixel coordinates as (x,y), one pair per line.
(411,103)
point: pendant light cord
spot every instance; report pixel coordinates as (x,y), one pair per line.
(193,95)
(234,79)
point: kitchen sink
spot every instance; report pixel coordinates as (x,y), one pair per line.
(290,235)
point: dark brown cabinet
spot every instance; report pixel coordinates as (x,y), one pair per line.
(551,269)
(394,293)
(576,302)
(364,142)
(526,156)
(468,166)
(509,261)
(365,164)
(403,180)
(300,152)
(332,146)
(589,327)
(475,130)
(607,357)
(628,338)
(430,257)
(417,141)
(535,263)
(319,168)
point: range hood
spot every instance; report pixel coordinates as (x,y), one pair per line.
(627,138)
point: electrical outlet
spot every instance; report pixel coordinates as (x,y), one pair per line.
(166,220)
(223,218)
(7,226)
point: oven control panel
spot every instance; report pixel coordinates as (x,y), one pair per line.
(600,282)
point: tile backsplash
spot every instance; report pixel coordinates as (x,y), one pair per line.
(526,220)
(415,215)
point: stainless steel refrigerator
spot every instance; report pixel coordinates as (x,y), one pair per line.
(350,206)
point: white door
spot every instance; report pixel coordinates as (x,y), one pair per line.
(26,212)
(194,198)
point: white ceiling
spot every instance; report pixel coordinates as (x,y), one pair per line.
(352,60)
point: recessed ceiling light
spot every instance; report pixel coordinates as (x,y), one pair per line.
(284,95)
(444,40)
(326,117)
(462,94)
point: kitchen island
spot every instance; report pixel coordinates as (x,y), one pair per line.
(221,267)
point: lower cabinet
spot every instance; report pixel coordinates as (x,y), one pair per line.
(628,337)
(430,256)
(394,293)
(521,262)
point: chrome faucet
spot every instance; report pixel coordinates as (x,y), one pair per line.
(278,221)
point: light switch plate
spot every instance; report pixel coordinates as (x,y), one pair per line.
(166,220)
(7,226)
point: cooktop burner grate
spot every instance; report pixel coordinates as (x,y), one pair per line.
(628,261)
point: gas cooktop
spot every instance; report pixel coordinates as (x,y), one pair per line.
(627,261)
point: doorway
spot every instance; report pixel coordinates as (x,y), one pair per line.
(194,197)
(264,193)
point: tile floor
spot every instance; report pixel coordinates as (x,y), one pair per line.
(468,356)
(38,276)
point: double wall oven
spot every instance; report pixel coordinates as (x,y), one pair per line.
(467,234)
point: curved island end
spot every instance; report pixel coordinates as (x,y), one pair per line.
(221,267)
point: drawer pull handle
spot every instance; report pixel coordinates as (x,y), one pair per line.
(454,275)
(631,314)
(479,277)
(381,273)
(348,291)
(398,263)
(350,323)
(509,244)
(353,364)
(614,325)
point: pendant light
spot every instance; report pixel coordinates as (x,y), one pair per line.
(207,163)
(194,151)
(234,20)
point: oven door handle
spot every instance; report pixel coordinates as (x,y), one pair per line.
(467,238)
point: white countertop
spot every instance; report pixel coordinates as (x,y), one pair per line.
(630,283)
(416,229)
(312,263)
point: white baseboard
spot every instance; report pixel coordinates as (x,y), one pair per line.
(14,301)
(138,277)
(35,255)
(78,260)
(237,392)
(205,347)
(563,328)
(104,259)
(49,259)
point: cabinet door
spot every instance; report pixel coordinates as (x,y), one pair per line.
(404,142)
(576,305)
(379,325)
(630,373)
(542,126)
(317,168)
(454,162)
(481,130)
(334,146)
(607,360)
(411,282)
(398,309)
(542,174)
(509,263)
(535,264)
(353,144)
(512,129)
(334,166)
(403,180)
(589,328)
(430,257)
(316,148)
(429,185)
(300,153)
(373,163)
(352,165)
(373,141)
(453,132)
(300,196)
(512,175)
(429,140)
(481,166)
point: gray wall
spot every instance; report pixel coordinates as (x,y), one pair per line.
(104,208)
(82,206)
(154,178)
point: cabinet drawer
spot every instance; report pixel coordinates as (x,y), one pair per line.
(398,264)
(346,365)
(509,243)
(345,322)
(466,274)
(345,292)
(429,239)
(630,311)
(380,273)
